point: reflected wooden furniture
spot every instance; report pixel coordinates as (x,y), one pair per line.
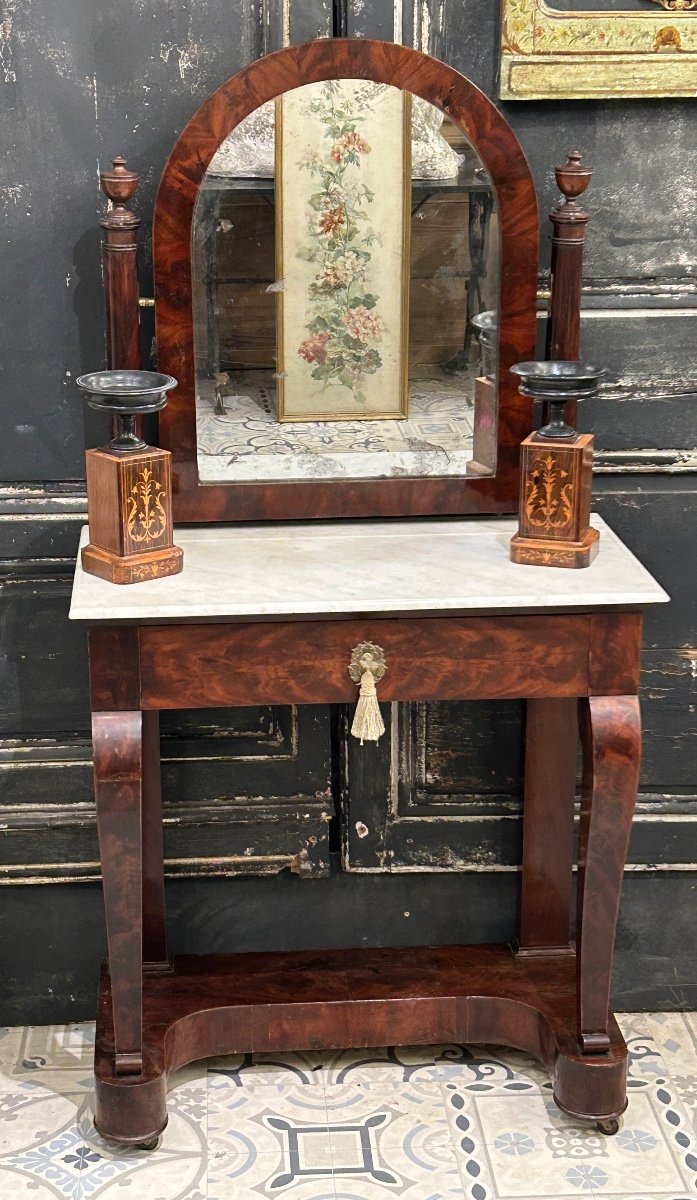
(239,269)
(469,624)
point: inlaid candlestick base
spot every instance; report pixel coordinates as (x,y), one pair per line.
(129,484)
(556,467)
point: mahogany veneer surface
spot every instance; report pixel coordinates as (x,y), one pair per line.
(579,646)
(496,144)
(226,1004)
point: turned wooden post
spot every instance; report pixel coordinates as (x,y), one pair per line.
(569,219)
(119,257)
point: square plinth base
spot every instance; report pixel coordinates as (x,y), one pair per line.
(134,568)
(540,552)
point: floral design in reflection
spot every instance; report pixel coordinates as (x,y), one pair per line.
(345,329)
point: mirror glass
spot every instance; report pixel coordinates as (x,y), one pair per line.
(345,264)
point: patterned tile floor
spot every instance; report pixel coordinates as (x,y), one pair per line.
(422,1123)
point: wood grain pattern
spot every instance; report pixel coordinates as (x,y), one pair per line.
(611,734)
(154,1018)
(558,507)
(134,568)
(154,931)
(346,998)
(138,473)
(120,267)
(500,152)
(569,221)
(305,662)
(104,500)
(114,662)
(118,784)
(120,272)
(555,504)
(112,494)
(129,497)
(615,653)
(548,826)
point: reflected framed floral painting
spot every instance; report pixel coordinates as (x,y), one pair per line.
(343,182)
(578,49)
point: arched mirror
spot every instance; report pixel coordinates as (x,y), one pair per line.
(345,270)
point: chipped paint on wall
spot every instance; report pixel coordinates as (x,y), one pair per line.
(189,59)
(429,23)
(14,194)
(397,33)
(60,55)
(422,22)
(9,10)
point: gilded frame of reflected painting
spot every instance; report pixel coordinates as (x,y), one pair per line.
(549,54)
(342,260)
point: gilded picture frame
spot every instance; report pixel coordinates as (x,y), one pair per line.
(343,215)
(549,54)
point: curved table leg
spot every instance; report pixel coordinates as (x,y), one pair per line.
(154,933)
(118,775)
(611,738)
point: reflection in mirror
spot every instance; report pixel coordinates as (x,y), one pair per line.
(345,283)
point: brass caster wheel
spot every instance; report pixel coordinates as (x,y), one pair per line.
(149,1146)
(609,1128)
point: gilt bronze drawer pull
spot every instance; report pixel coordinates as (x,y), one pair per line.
(367,666)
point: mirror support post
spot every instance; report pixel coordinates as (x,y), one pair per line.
(120,265)
(119,256)
(569,220)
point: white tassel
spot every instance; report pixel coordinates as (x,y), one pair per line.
(368,724)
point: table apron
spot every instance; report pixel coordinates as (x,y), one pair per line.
(306,662)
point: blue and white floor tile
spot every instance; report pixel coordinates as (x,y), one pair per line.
(423,1123)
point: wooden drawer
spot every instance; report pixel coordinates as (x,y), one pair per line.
(306,662)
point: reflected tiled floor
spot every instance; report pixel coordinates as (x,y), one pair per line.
(422,1123)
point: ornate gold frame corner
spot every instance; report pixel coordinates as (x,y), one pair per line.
(547,54)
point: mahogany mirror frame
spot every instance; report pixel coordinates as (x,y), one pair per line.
(493,139)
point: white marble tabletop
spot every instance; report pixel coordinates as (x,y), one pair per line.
(337,569)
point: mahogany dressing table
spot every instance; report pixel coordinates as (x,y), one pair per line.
(269,608)
(270,615)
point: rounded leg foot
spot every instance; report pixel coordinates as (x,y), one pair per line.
(609,1128)
(150,1145)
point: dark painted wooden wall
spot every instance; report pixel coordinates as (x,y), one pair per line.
(269,791)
